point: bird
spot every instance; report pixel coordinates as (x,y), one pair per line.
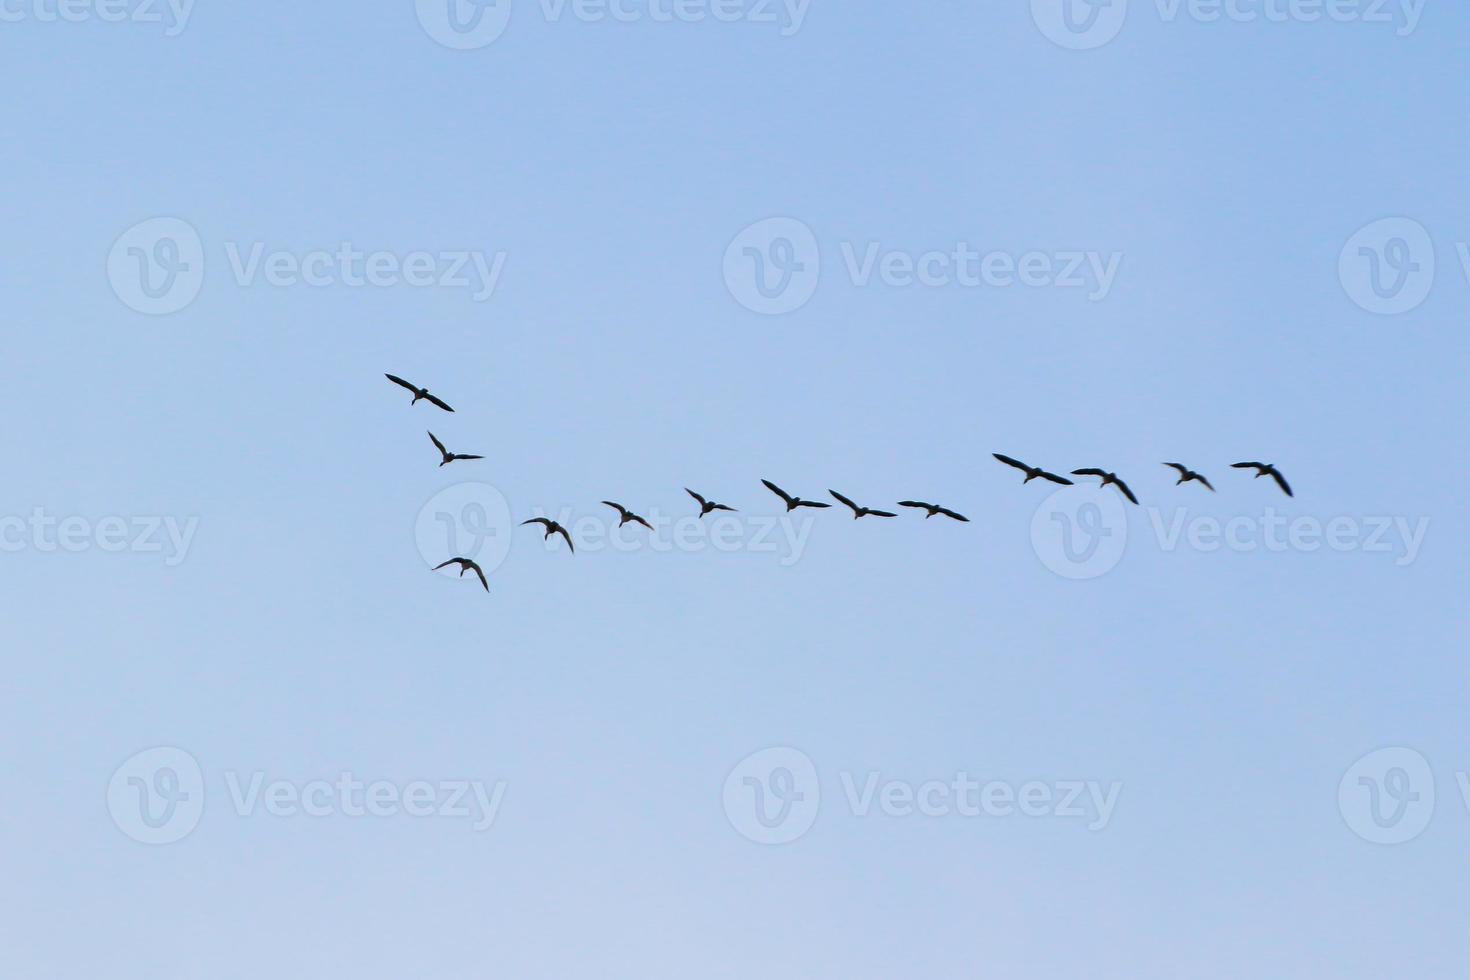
(552,528)
(791,502)
(465,565)
(625,515)
(933,509)
(1032,472)
(449,457)
(1186,474)
(1267,469)
(860,511)
(418,392)
(1106,479)
(706,506)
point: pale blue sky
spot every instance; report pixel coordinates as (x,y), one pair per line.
(300,635)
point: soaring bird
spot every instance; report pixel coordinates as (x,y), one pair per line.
(860,511)
(465,565)
(1106,479)
(933,509)
(449,457)
(625,515)
(1267,469)
(705,506)
(418,392)
(1032,472)
(1186,474)
(791,502)
(552,528)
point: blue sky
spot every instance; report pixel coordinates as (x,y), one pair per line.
(244,580)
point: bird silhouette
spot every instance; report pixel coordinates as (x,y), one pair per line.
(1267,469)
(706,506)
(465,565)
(860,511)
(1032,472)
(791,502)
(933,509)
(418,392)
(625,515)
(1106,479)
(552,528)
(449,457)
(1186,474)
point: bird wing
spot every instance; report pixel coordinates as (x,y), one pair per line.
(437,444)
(467,456)
(567,538)
(723,507)
(476,569)
(1205,482)
(446,564)
(1183,470)
(1126,492)
(638,520)
(949,513)
(914,503)
(537,520)
(1056,479)
(1090,471)
(849,503)
(1280,481)
(882,513)
(811,503)
(1011,462)
(702,501)
(778,491)
(622,511)
(438,401)
(399,381)
(1247,466)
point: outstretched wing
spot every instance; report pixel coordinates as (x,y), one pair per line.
(1126,492)
(845,501)
(1248,466)
(1090,471)
(476,569)
(437,401)
(467,456)
(702,501)
(638,520)
(949,513)
(1205,482)
(399,381)
(1011,462)
(1056,479)
(537,520)
(779,492)
(723,507)
(1280,481)
(567,538)
(811,503)
(914,503)
(622,511)
(1183,470)
(446,564)
(882,513)
(438,445)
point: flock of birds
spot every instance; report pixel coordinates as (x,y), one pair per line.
(707,506)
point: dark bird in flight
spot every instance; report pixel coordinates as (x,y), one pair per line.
(860,511)
(1186,474)
(552,528)
(625,515)
(706,506)
(465,565)
(1106,479)
(791,502)
(449,457)
(1267,469)
(933,509)
(418,392)
(1032,472)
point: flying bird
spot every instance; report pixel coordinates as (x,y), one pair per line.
(418,392)
(449,457)
(552,528)
(1106,479)
(860,511)
(1186,474)
(706,506)
(1032,472)
(791,502)
(625,515)
(465,565)
(1267,469)
(933,509)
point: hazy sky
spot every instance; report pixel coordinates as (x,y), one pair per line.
(1061,740)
